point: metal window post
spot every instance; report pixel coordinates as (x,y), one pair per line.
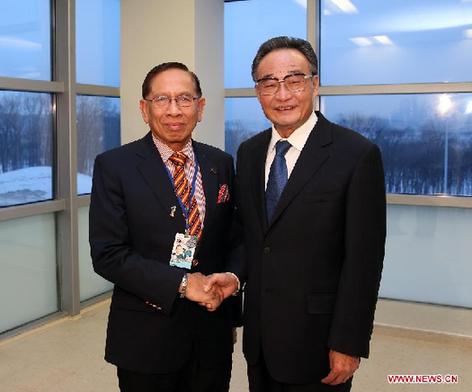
(66,155)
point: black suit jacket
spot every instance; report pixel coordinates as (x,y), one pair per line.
(313,273)
(150,329)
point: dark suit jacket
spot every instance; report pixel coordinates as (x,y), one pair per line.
(131,237)
(313,273)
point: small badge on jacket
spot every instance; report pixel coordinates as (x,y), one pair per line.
(223,194)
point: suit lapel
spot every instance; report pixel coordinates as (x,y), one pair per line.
(154,172)
(259,155)
(314,154)
(209,180)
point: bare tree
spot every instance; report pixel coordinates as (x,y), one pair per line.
(236,133)
(25,130)
(98,129)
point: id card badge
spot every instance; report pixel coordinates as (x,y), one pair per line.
(183,250)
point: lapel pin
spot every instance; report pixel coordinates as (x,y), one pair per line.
(213,170)
(172,211)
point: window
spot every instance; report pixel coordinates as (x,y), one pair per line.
(98,112)
(402,41)
(28,284)
(98,130)
(25,39)
(262,20)
(243,119)
(243,115)
(399,73)
(98,64)
(426,139)
(41,215)
(427,258)
(26,122)
(98,42)
(391,49)
(26,148)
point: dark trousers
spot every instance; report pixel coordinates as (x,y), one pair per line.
(260,380)
(191,378)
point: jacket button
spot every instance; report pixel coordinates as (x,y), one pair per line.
(267,250)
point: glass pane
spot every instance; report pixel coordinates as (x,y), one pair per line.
(426,140)
(427,256)
(25,39)
(98,130)
(26,147)
(28,284)
(91,284)
(243,118)
(402,41)
(98,42)
(248,24)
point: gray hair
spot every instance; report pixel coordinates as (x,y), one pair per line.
(284,42)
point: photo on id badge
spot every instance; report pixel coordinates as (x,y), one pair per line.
(183,250)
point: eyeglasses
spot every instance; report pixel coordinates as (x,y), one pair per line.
(294,83)
(182,101)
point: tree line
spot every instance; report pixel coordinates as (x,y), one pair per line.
(414,157)
(27,130)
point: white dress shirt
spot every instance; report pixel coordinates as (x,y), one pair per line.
(297,140)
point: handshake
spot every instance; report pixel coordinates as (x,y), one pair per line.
(210,291)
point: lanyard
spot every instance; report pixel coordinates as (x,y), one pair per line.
(185,210)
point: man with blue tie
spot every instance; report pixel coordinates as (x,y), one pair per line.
(311,202)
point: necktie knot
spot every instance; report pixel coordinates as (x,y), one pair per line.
(281,147)
(178,158)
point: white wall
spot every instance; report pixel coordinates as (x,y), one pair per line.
(156,31)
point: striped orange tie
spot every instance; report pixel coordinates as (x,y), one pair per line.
(182,190)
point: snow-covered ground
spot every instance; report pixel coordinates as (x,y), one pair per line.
(33,184)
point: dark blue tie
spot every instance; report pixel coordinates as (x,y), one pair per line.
(278,176)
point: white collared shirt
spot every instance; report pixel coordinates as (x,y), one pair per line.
(297,139)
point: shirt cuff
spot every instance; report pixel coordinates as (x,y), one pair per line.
(239,283)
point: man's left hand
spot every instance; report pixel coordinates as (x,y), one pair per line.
(342,367)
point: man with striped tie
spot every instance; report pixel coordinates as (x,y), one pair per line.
(160,214)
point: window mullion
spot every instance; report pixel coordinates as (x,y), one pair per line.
(66,166)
